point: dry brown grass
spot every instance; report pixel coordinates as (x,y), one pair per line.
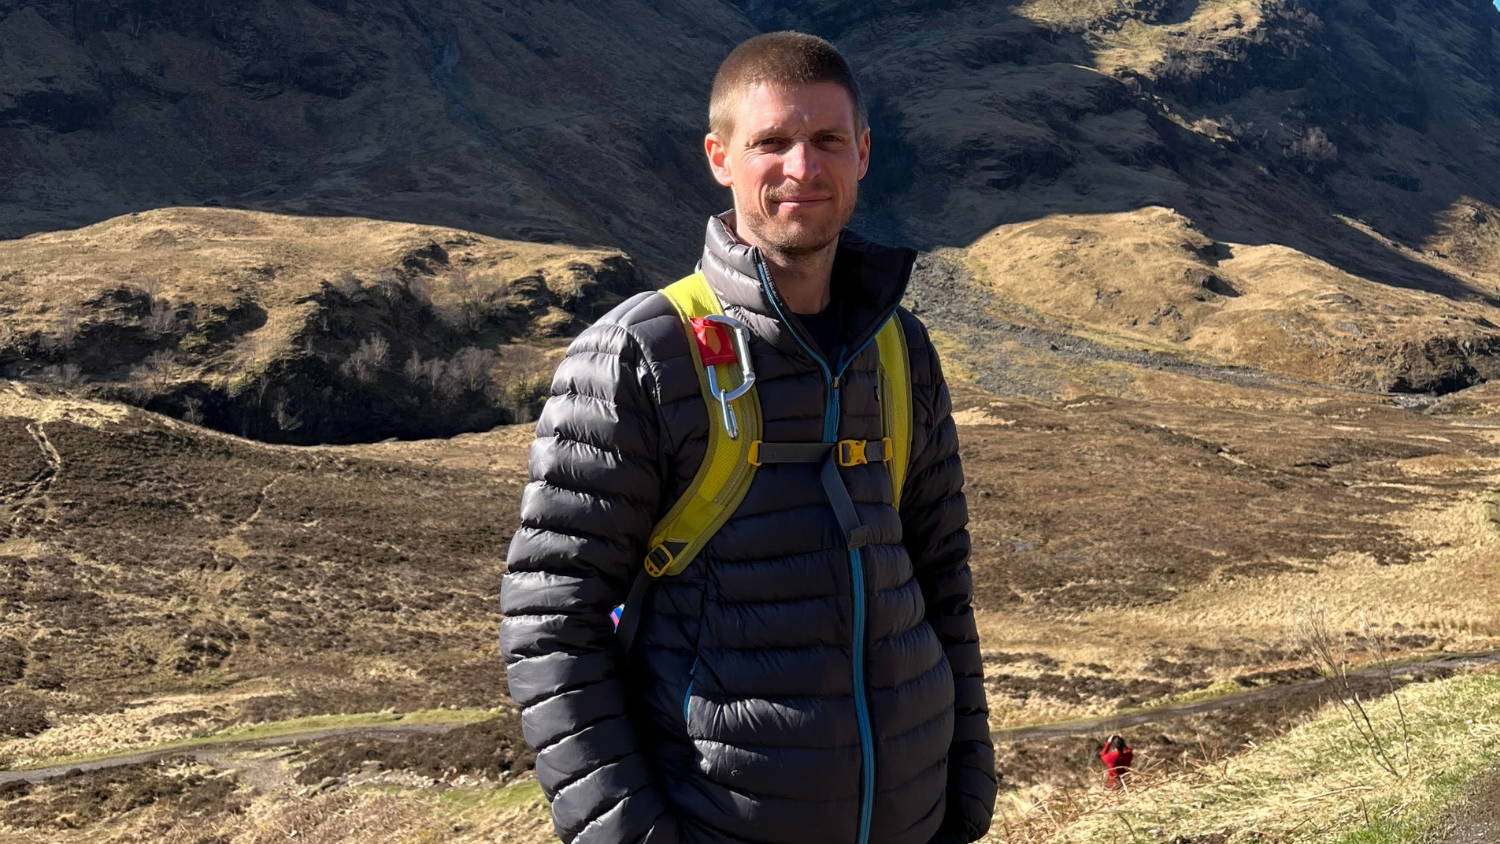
(1150,277)
(1319,783)
(1452,595)
(209,258)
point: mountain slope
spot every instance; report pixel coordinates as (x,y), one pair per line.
(1359,142)
(539,122)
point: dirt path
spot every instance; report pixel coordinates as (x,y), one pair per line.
(1116,723)
(32,493)
(201,752)
(1477,819)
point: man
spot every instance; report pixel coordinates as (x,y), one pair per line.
(780,689)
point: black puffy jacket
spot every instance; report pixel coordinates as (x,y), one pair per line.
(737,717)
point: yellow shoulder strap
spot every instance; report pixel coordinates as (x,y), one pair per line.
(725,474)
(895,400)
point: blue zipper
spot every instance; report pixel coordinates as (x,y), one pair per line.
(688,695)
(856,562)
(830,382)
(861,705)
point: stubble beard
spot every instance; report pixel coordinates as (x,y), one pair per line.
(789,242)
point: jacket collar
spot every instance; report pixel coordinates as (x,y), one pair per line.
(869,280)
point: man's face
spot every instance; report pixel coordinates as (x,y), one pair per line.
(794,161)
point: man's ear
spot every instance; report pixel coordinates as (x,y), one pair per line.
(718,158)
(864,152)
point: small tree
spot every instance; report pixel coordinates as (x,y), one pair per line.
(435,375)
(471,367)
(156,372)
(348,285)
(431,373)
(470,307)
(413,369)
(366,360)
(1333,659)
(1314,152)
(192,410)
(420,289)
(390,284)
(162,319)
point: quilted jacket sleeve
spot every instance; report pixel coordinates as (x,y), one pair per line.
(585,518)
(935,519)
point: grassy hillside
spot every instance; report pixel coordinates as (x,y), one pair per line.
(1324,781)
(300,329)
(1216,282)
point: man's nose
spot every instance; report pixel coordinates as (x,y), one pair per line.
(801,162)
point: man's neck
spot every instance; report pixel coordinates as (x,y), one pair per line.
(804,281)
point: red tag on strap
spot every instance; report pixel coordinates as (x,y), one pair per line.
(713,342)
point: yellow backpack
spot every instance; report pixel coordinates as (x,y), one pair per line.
(735,448)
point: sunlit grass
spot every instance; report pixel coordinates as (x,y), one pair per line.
(276,729)
(1317,783)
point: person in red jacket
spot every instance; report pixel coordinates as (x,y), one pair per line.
(1117,758)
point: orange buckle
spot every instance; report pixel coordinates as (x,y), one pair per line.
(852,453)
(753,457)
(658,561)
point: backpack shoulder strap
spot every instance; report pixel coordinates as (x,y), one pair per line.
(895,400)
(724,476)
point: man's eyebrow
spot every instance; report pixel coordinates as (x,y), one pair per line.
(782,132)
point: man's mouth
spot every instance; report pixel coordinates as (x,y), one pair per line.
(798,203)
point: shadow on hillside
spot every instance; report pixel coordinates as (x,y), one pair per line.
(958,151)
(1020,100)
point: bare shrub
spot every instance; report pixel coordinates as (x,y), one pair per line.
(192,410)
(348,285)
(470,307)
(431,373)
(9,337)
(414,368)
(470,367)
(1314,147)
(365,362)
(420,289)
(390,284)
(66,375)
(162,319)
(253,350)
(1332,657)
(156,372)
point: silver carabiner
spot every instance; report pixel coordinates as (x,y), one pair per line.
(741,336)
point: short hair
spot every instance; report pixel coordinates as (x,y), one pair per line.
(779,58)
